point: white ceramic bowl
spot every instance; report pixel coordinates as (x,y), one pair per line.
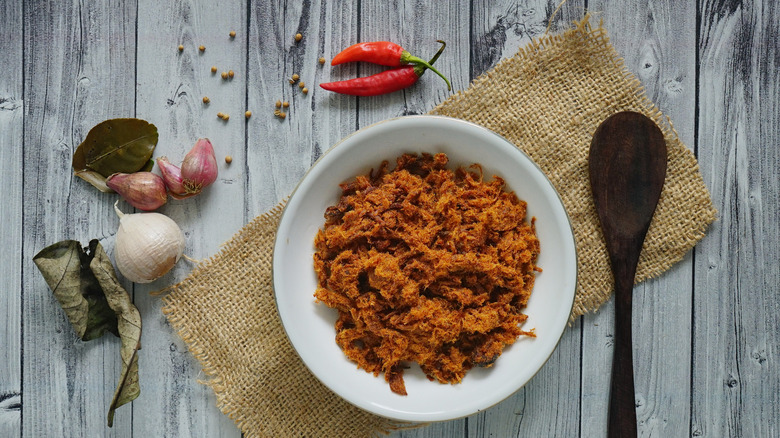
(310,326)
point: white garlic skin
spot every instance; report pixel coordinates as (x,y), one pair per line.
(147,245)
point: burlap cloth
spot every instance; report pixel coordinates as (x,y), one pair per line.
(548,100)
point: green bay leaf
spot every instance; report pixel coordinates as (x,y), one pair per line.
(114,146)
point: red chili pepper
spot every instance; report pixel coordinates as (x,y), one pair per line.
(387,81)
(380,83)
(376,52)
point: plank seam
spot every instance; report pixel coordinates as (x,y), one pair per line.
(696,114)
(21,225)
(246,105)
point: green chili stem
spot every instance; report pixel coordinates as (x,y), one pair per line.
(406,57)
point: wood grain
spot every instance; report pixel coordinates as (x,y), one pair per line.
(423,24)
(169,91)
(736,388)
(500,28)
(78,72)
(279,151)
(11,167)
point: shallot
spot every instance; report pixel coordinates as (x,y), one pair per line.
(199,168)
(142,190)
(171,174)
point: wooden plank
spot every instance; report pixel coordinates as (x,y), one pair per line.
(79,63)
(281,150)
(657,42)
(549,404)
(422,25)
(170,89)
(500,28)
(736,390)
(11,166)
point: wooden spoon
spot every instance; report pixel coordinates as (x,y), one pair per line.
(627,165)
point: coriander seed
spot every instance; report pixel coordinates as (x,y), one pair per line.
(278,103)
(181,48)
(301,84)
(298,37)
(228,159)
(213,68)
(283,114)
(232,34)
(295,77)
(248,114)
(322,60)
(220,115)
(231,74)
(224,75)
(286,104)
(305,90)
(202,48)
(206,99)
(225,117)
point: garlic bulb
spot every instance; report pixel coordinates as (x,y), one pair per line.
(147,245)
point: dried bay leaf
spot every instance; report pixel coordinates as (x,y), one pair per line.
(85,284)
(129,324)
(65,267)
(112,146)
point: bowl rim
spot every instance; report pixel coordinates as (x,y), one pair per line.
(277,239)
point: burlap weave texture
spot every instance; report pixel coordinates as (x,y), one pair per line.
(548,100)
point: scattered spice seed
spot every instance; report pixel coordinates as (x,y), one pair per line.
(286,104)
(181,48)
(206,99)
(213,68)
(232,34)
(278,103)
(224,75)
(305,90)
(248,114)
(295,77)
(298,37)
(283,114)
(202,48)
(228,159)
(322,60)
(226,117)
(301,84)
(220,115)
(277,113)
(231,74)
(290,81)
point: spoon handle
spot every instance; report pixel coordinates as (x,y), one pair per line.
(622,405)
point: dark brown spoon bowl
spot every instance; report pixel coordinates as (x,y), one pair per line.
(627,165)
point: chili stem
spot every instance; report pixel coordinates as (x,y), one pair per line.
(427,64)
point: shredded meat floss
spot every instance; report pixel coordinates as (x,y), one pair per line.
(426,265)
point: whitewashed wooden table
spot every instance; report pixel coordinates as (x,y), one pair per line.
(707,333)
